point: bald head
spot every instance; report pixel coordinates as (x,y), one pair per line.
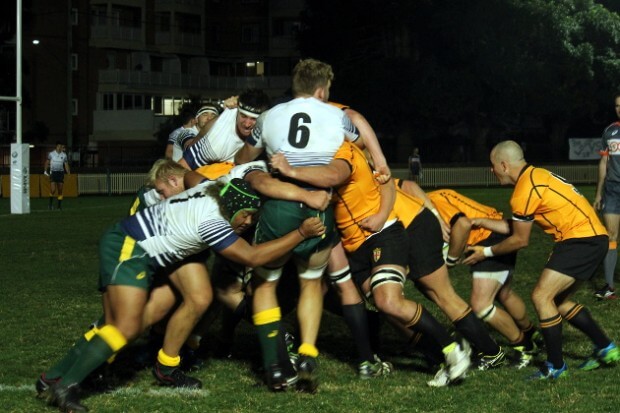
(507,151)
(508,161)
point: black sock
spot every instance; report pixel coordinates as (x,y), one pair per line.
(474,331)
(580,318)
(551,329)
(357,320)
(428,325)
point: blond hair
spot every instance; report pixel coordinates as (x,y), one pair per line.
(309,75)
(163,168)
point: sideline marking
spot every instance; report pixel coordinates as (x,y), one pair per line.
(125,391)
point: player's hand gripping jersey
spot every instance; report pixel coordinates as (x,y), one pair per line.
(219,145)
(554,204)
(452,205)
(356,199)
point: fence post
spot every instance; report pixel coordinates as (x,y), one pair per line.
(108,179)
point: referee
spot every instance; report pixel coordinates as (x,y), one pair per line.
(56,164)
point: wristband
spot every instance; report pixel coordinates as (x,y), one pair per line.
(487,252)
(301,233)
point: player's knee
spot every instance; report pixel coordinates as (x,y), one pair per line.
(486,313)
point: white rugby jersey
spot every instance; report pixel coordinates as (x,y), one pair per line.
(178,138)
(307,131)
(180,226)
(219,145)
(57,161)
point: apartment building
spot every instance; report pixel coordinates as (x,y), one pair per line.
(107,73)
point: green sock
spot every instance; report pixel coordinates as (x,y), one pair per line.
(60,368)
(94,354)
(268,339)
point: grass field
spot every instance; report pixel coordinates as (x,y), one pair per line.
(48,298)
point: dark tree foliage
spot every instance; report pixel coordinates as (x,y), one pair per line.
(447,73)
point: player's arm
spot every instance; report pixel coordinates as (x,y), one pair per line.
(269,186)
(46,167)
(376,221)
(370,142)
(519,239)
(322,176)
(247,153)
(459,234)
(501,226)
(602,174)
(256,255)
(67,168)
(202,133)
(168,153)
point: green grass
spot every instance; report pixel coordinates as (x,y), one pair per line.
(48,298)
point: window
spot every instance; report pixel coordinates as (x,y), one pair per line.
(108,101)
(157,105)
(99,15)
(250,33)
(285,27)
(188,23)
(74,107)
(74,16)
(163,21)
(74,61)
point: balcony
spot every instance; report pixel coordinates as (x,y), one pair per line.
(193,5)
(178,42)
(273,85)
(111,35)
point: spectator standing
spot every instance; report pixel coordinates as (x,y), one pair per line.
(415,165)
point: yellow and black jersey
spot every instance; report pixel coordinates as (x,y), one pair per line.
(451,205)
(554,204)
(407,207)
(358,198)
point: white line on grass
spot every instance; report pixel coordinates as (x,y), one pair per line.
(125,391)
(42,211)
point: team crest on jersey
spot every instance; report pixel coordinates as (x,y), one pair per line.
(376,254)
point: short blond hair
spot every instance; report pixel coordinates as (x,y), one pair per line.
(309,75)
(163,168)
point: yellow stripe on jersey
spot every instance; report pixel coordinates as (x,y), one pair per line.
(134,206)
(450,203)
(127,248)
(555,205)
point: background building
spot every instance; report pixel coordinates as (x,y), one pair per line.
(103,75)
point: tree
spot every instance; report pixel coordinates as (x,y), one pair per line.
(487,65)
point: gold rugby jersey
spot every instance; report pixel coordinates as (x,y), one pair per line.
(450,203)
(554,204)
(359,197)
